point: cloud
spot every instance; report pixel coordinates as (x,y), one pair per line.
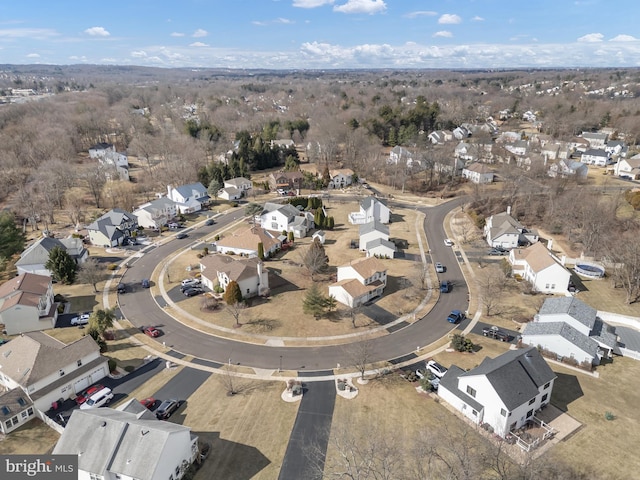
(311,3)
(361,6)
(280,21)
(449,19)
(177,34)
(35,33)
(623,38)
(33,55)
(199,33)
(591,37)
(138,54)
(421,13)
(198,44)
(284,21)
(97,32)
(477,19)
(443,33)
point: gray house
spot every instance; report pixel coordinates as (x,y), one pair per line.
(112,228)
(33,259)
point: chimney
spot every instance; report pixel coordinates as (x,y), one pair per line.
(169,187)
(509,210)
(550,244)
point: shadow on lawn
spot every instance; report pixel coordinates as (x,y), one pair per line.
(231,460)
(566,389)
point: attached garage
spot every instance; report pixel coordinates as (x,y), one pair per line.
(81,384)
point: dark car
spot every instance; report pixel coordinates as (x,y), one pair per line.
(498,251)
(210,222)
(145,283)
(495,332)
(455,316)
(181,235)
(166,408)
(193,291)
(445,286)
(122,288)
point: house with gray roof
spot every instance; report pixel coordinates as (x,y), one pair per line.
(374,239)
(27,304)
(595,156)
(570,328)
(285,218)
(371,209)
(504,231)
(113,444)
(249,273)
(596,139)
(112,228)
(189,198)
(156,213)
(569,168)
(35,256)
(16,408)
(47,369)
(504,392)
(241,183)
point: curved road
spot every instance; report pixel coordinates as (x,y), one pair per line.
(140,308)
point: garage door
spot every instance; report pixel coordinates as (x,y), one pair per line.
(81,385)
(98,375)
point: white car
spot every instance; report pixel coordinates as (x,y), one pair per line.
(281,191)
(448,242)
(435,368)
(190,282)
(439,267)
(81,319)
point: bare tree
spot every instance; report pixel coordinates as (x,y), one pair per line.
(92,273)
(492,284)
(360,355)
(95,180)
(74,205)
(236,310)
(229,381)
(626,265)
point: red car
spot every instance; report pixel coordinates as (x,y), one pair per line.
(148,402)
(86,394)
(152,332)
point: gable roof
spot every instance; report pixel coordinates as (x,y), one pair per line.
(565,331)
(450,382)
(577,309)
(376,242)
(38,252)
(191,189)
(158,204)
(35,355)
(236,269)
(26,283)
(249,239)
(237,182)
(354,288)
(595,152)
(374,226)
(480,168)
(367,267)
(516,375)
(108,223)
(537,256)
(286,209)
(503,223)
(116,441)
(367,202)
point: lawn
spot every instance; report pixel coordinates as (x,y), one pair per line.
(34,437)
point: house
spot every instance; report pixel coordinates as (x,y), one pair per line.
(246,243)
(190,198)
(504,231)
(597,157)
(112,228)
(570,328)
(569,168)
(114,444)
(230,193)
(359,281)
(374,239)
(509,137)
(451,167)
(115,164)
(518,148)
(16,408)
(538,266)
(596,139)
(401,156)
(156,213)
(320,235)
(100,150)
(34,257)
(340,178)
(504,392)
(578,144)
(47,369)
(381,248)
(465,151)
(461,132)
(285,180)
(285,218)
(27,304)
(248,273)
(529,116)
(478,173)
(240,183)
(439,137)
(371,209)
(628,167)
(616,147)
(283,143)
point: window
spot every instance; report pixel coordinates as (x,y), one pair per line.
(5,410)
(30,411)
(544,398)
(248,291)
(547,385)
(273,217)
(503,412)
(8,423)
(475,414)
(61,373)
(21,401)
(471,391)
(532,401)
(79,363)
(529,413)
(177,470)
(15,420)
(23,415)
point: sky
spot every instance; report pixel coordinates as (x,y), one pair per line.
(323,34)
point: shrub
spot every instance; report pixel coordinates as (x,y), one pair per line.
(60,308)
(59,298)
(112,267)
(112,365)
(234,204)
(609,415)
(461,344)
(216,238)
(218,289)
(129,368)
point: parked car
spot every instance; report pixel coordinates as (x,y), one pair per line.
(148,403)
(448,242)
(281,191)
(210,222)
(181,235)
(455,316)
(190,282)
(445,286)
(435,368)
(152,332)
(192,292)
(80,319)
(122,288)
(4,340)
(84,395)
(439,267)
(495,332)
(145,283)
(98,399)
(166,408)
(498,251)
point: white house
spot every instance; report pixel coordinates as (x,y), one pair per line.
(285,218)
(230,193)
(504,231)
(381,248)
(628,167)
(156,213)
(245,242)
(340,178)
(34,257)
(570,328)
(27,304)
(320,235)
(594,156)
(504,392)
(240,183)
(113,444)
(359,281)
(190,198)
(115,164)
(371,209)
(518,148)
(439,137)
(569,168)
(112,228)
(596,139)
(478,173)
(374,240)
(47,369)
(99,150)
(465,151)
(16,408)
(248,273)
(401,156)
(538,266)
(616,147)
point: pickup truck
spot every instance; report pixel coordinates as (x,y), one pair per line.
(455,316)
(495,332)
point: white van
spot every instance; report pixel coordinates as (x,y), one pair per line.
(98,399)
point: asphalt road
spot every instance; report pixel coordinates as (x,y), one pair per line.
(141,309)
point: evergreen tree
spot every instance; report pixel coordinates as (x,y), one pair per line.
(102,320)
(260,251)
(62,265)
(11,238)
(214,188)
(232,294)
(330,223)
(314,302)
(290,237)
